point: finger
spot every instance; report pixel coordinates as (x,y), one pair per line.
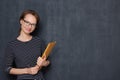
(44,57)
(39,57)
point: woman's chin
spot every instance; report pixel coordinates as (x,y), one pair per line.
(28,32)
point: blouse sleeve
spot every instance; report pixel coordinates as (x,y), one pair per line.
(9,58)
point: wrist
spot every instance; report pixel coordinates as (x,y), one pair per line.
(37,66)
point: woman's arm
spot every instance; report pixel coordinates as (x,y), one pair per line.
(11,68)
(18,71)
(32,70)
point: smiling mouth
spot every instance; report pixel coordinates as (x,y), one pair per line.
(28,30)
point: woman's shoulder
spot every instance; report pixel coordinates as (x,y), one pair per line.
(13,40)
(38,38)
(11,43)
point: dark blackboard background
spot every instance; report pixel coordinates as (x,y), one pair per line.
(86,31)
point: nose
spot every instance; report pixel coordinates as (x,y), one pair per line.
(30,26)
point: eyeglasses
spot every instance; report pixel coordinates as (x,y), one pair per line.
(27,23)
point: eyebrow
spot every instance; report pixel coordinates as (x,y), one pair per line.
(29,22)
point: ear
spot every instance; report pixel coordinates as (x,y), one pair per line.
(21,21)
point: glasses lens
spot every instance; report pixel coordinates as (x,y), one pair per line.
(27,23)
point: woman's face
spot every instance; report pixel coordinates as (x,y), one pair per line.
(28,24)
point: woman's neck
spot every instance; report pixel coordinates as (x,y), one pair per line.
(24,37)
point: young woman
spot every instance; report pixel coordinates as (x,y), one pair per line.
(23,54)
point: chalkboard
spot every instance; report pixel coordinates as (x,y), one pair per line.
(87,33)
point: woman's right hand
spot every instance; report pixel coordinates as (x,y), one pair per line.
(33,70)
(41,61)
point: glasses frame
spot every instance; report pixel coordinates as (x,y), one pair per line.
(27,23)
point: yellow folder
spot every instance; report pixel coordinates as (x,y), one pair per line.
(48,49)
